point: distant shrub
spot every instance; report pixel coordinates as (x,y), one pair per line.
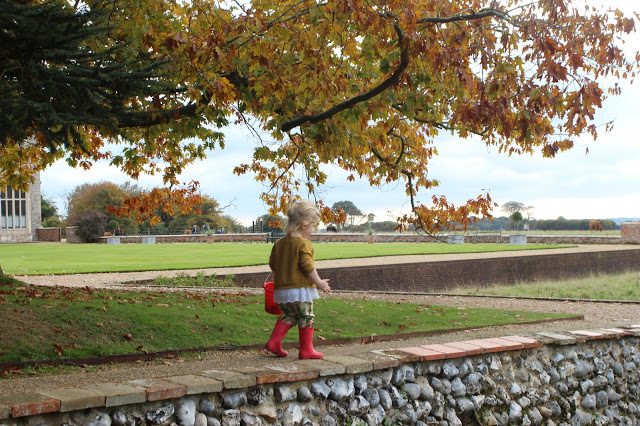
(52,222)
(91,225)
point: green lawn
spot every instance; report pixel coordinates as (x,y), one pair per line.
(56,323)
(625,286)
(61,258)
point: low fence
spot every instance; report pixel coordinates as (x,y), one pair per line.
(378,238)
(578,378)
(49,234)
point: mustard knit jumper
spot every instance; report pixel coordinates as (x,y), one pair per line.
(291,261)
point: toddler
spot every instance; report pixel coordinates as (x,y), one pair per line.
(296,281)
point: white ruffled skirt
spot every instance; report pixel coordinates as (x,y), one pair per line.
(292,295)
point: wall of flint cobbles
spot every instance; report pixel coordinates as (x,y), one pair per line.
(575,378)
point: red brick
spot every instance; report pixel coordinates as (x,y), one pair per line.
(406,355)
(487,345)
(419,353)
(471,349)
(158,389)
(30,404)
(281,373)
(615,332)
(507,345)
(528,342)
(448,351)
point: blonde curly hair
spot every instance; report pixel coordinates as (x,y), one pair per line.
(301,214)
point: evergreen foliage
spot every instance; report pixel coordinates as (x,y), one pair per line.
(62,72)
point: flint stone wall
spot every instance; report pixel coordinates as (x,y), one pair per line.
(581,383)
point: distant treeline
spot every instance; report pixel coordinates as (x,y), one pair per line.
(502,223)
(559,224)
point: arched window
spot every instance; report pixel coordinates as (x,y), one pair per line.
(13,209)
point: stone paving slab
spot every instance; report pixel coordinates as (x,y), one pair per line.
(119,394)
(556,338)
(352,364)
(381,361)
(72,399)
(588,335)
(296,371)
(231,379)
(325,367)
(196,384)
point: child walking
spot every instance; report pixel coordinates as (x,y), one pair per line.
(296,280)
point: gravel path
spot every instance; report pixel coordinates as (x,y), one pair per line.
(596,315)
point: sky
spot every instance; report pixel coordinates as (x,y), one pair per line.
(605,183)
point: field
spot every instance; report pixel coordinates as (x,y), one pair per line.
(61,258)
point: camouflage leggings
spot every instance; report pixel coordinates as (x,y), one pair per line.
(300,313)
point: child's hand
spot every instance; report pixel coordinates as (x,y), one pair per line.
(319,282)
(324,285)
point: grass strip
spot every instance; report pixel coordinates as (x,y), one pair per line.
(67,323)
(623,287)
(62,258)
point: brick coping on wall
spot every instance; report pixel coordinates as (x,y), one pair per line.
(281,371)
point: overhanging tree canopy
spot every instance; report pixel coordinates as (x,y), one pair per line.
(365,85)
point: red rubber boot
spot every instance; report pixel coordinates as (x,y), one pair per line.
(306,344)
(274,345)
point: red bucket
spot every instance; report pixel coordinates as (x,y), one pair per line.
(269,305)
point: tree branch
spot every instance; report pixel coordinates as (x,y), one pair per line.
(392,80)
(289,167)
(481,14)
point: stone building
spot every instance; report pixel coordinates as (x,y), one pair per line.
(20,213)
